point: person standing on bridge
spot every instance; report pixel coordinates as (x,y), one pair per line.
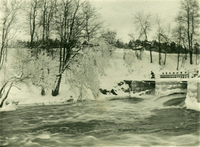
(152,75)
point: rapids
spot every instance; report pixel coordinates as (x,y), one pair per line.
(117,122)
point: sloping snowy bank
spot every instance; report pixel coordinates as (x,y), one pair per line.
(120,69)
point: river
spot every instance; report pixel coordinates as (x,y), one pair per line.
(119,122)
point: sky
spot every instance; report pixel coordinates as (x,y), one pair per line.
(118,14)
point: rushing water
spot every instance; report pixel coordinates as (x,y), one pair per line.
(122,122)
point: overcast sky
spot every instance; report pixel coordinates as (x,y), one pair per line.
(118,14)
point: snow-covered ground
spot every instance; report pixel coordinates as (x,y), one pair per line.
(124,65)
(140,69)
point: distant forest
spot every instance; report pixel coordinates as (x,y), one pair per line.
(134,45)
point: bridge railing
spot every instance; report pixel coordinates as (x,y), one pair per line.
(176,74)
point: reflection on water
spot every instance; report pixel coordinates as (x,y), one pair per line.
(100,123)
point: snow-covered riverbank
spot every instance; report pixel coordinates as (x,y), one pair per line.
(120,69)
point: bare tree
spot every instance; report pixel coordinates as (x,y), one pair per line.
(33,8)
(143,25)
(132,36)
(47,12)
(166,38)
(9,9)
(109,36)
(4,91)
(70,23)
(179,36)
(189,14)
(159,32)
(196,47)
(92,23)
(66,17)
(24,71)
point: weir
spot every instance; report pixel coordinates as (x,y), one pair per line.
(163,87)
(138,86)
(158,87)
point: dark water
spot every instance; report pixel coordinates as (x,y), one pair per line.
(127,122)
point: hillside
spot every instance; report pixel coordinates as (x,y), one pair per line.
(128,68)
(135,69)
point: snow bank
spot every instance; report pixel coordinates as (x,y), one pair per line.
(119,70)
(30,95)
(9,107)
(193,94)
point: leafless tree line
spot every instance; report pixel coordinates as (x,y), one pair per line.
(71,21)
(184,34)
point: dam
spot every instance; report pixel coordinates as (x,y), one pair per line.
(168,83)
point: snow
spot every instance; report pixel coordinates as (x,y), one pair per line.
(191,98)
(140,69)
(120,69)
(8,107)
(31,96)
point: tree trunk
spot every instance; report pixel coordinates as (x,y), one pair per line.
(44,22)
(151,60)
(196,56)
(185,53)
(146,47)
(6,96)
(191,57)
(3,88)
(165,57)
(31,44)
(124,57)
(42,91)
(6,53)
(2,49)
(178,60)
(159,50)
(55,91)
